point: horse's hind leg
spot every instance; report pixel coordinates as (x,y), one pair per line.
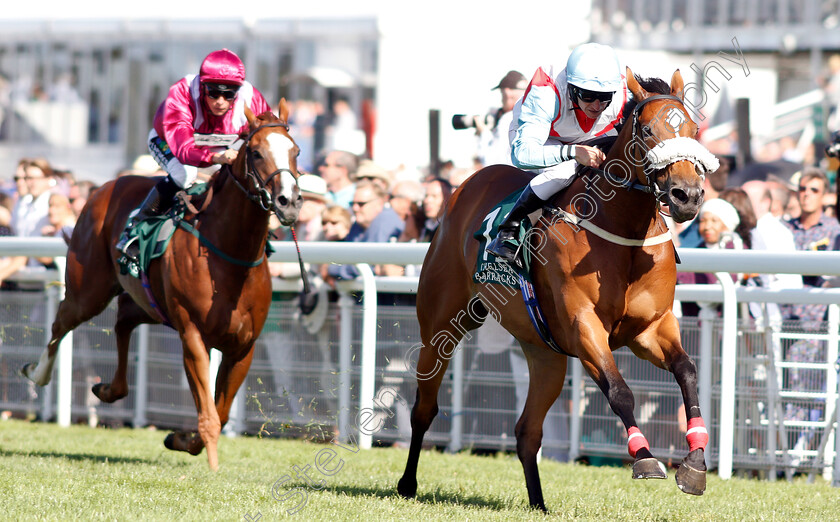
(129,316)
(547,371)
(660,344)
(76,308)
(443,323)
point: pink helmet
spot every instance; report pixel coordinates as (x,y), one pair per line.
(222,67)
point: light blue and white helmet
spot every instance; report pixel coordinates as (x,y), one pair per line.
(594,67)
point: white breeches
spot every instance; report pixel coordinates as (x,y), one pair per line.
(183,175)
(551,180)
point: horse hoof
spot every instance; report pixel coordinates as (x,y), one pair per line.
(407,488)
(96,389)
(27,370)
(172,442)
(105,393)
(649,468)
(690,480)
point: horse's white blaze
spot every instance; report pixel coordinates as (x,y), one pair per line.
(280,146)
(42,373)
(289,183)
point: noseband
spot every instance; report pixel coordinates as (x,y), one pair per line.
(262,197)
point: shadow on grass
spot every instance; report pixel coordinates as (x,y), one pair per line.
(434,497)
(78,457)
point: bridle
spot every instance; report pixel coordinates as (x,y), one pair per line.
(638,131)
(262,197)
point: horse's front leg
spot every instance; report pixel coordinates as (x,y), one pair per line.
(197,366)
(660,344)
(232,373)
(596,357)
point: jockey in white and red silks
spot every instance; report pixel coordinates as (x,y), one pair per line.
(560,109)
(197,126)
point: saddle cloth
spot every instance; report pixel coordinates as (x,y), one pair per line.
(487,268)
(153,235)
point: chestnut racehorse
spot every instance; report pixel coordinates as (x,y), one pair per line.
(216,293)
(604,277)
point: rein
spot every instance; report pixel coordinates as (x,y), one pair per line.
(206,242)
(633,183)
(262,197)
(650,188)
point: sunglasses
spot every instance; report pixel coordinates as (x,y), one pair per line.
(813,190)
(590,96)
(214,93)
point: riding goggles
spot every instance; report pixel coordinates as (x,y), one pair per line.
(214,90)
(588,96)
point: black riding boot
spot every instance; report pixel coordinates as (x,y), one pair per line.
(157,201)
(506,243)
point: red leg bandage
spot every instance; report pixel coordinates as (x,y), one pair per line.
(697,436)
(636,441)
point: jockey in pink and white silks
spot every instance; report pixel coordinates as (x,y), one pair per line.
(197,126)
(560,109)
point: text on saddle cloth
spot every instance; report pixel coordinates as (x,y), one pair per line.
(487,268)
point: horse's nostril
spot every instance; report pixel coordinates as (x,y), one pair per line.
(679,195)
(283,201)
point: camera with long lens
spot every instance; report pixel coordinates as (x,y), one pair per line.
(833,150)
(464,121)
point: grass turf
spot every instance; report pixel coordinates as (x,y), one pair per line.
(53,473)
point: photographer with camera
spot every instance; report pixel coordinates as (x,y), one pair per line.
(492,129)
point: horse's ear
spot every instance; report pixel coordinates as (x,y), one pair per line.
(639,93)
(283,110)
(249,115)
(677,85)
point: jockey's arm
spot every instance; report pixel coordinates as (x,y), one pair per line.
(528,148)
(178,131)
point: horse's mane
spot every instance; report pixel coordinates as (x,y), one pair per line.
(651,85)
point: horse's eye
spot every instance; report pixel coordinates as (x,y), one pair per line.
(257,155)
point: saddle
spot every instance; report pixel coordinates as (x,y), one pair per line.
(153,234)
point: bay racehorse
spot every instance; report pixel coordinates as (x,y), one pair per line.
(215,293)
(604,275)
